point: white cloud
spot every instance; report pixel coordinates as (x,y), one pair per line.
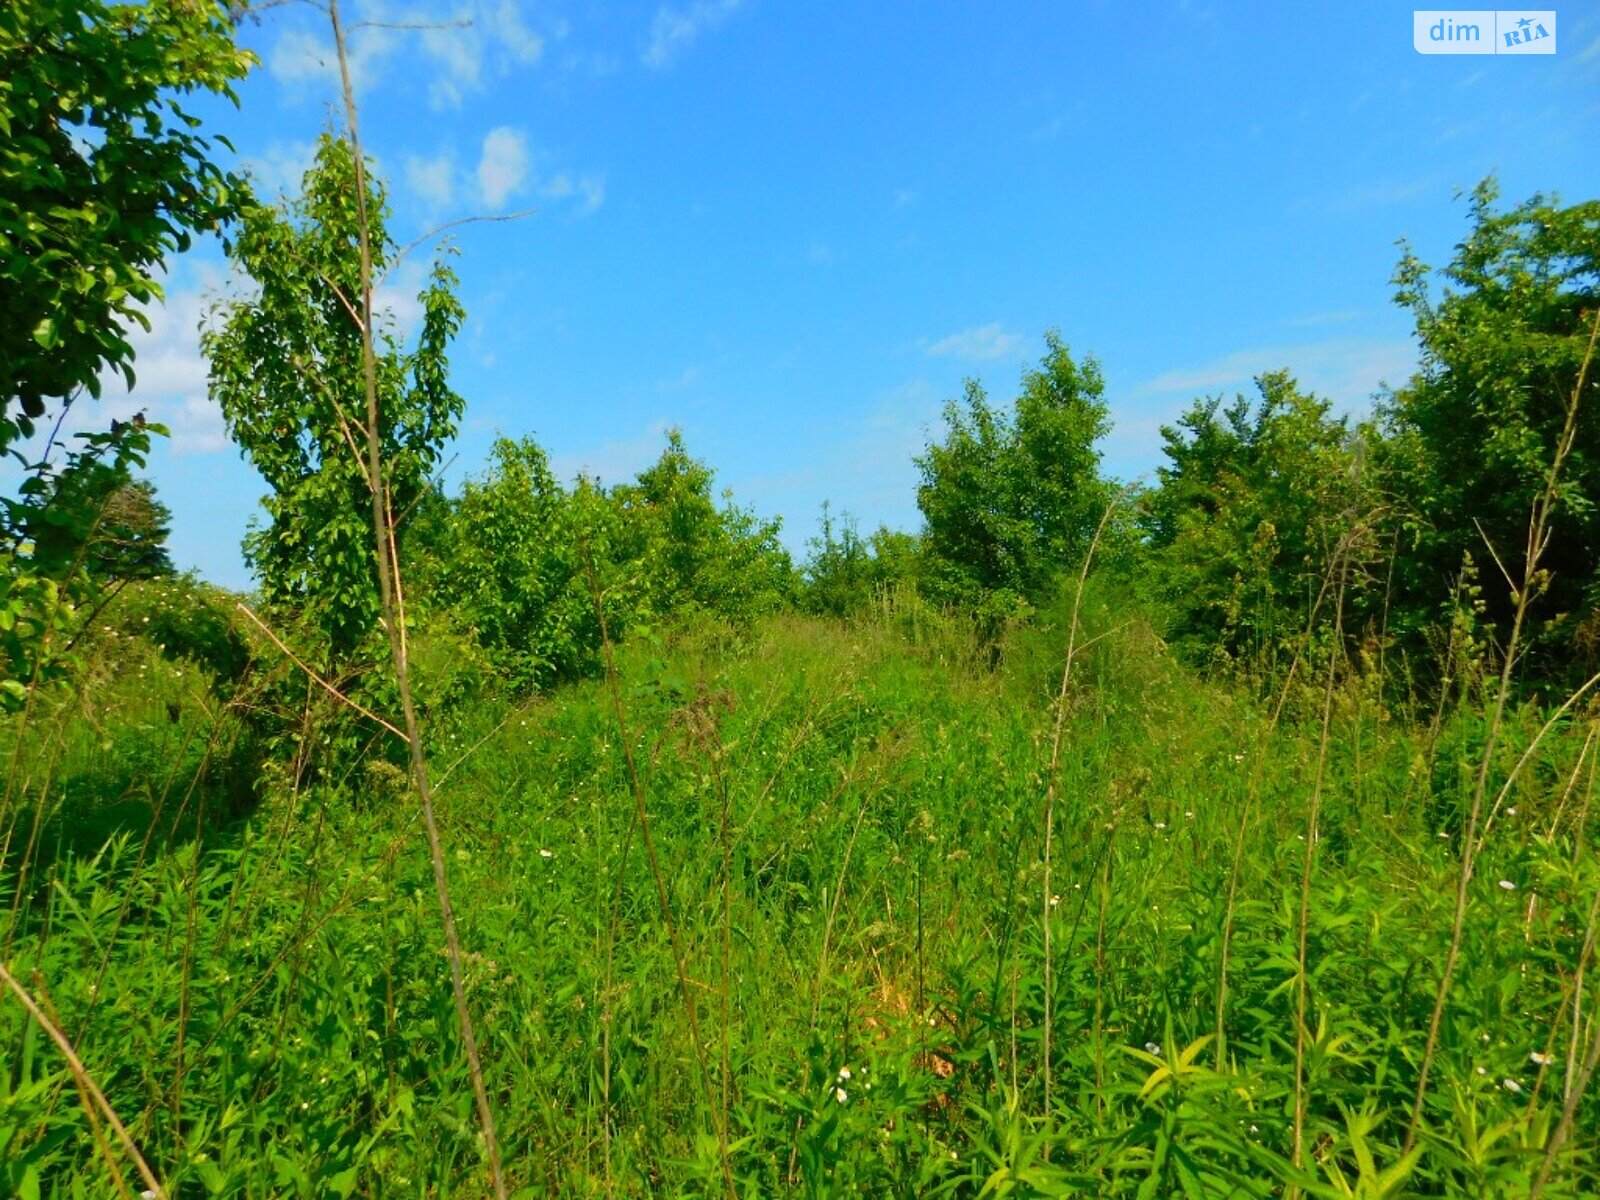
(461,51)
(170,380)
(503,169)
(1347,371)
(433,179)
(615,461)
(300,57)
(676,29)
(592,193)
(280,170)
(484,37)
(397,298)
(981,342)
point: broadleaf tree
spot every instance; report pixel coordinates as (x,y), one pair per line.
(1011,500)
(286,368)
(1473,434)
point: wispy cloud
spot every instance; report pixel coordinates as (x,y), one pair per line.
(170,378)
(481,39)
(1365,197)
(980,343)
(821,254)
(433,179)
(488,37)
(1314,320)
(300,57)
(1347,371)
(280,169)
(674,30)
(614,461)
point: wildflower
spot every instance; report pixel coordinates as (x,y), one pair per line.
(1512,811)
(1054,900)
(1152,1048)
(1161,824)
(844,1072)
(547,854)
(1481,1071)
(840,1095)
(1189,814)
(1542,1059)
(1508,885)
(1511,1085)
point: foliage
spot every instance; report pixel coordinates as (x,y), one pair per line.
(1011,501)
(881,992)
(693,554)
(844,572)
(286,368)
(510,558)
(53,536)
(1256,502)
(1474,433)
(102,176)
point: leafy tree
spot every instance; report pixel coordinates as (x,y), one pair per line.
(102,175)
(1010,501)
(130,541)
(99,519)
(1254,502)
(286,368)
(1475,431)
(844,571)
(698,555)
(512,571)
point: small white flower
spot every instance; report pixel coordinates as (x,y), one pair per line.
(1152,1048)
(546,854)
(1253,1129)
(844,1072)
(840,1095)
(1481,1071)
(1542,1059)
(1189,814)
(1054,900)
(1507,885)
(1161,824)
(1511,1085)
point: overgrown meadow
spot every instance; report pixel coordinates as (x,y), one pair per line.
(1228,834)
(847,819)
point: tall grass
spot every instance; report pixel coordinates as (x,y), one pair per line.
(842,815)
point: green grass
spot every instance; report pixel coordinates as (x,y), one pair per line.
(847,818)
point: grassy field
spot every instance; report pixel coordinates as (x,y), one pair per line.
(843,954)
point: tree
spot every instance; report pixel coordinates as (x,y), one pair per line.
(697,555)
(102,175)
(512,568)
(101,520)
(286,368)
(1012,501)
(1474,432)
(1254,502)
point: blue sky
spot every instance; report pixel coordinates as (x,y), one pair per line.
(793,229)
